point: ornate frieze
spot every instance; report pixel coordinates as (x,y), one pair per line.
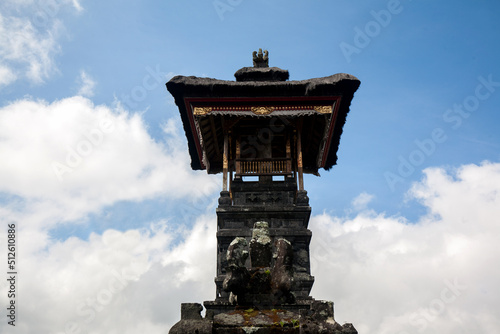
(200,111)
(262,110)
(323,109)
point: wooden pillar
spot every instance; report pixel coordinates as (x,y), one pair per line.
(238,156)
(300,168)
(225,162)
(288,154)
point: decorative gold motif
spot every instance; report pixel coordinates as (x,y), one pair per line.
(262,110)
(200,111)
(323,109)
(299,160)
(224,162)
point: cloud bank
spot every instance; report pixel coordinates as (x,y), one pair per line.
(385,273)
(70,158)
(437,275)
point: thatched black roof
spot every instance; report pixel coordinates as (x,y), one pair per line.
(251,84)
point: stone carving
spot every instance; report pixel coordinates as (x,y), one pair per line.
(282,272)
(237,253)
(261,254)
(237,277)
(261,294)
(261,59)
(269,280)
(260,246)
(263,198)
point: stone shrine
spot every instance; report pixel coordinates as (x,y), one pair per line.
(262,132)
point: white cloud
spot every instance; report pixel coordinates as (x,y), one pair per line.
(438,275)
(385,275)
(87,84)
(45,6)
(29,38)
(117,282)
(361,201)
(26,50)
(68,158)
(77,5)
(6,76)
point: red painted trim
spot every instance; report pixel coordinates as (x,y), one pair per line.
(194,132)
(261,99)
(333,120)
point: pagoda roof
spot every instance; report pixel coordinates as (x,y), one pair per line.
(250,97)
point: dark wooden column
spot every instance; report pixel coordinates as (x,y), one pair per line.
(288,154)
(300,168)
(238,156)
(225,156)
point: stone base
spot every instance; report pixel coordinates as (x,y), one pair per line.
(192,321)
(221,318)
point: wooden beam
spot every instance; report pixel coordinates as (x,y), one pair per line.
(238,155)
(300,167)
(288,153)
(225,162)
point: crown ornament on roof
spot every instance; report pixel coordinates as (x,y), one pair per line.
(261,59)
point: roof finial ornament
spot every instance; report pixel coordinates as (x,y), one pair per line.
(261,59)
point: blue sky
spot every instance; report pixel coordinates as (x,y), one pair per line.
(421,137)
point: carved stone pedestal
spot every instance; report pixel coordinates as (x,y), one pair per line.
(315,318)
(261,298)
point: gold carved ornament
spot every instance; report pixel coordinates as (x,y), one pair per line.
(262,110)
(323,109)
(200,111)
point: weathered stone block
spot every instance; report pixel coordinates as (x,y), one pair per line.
(191,311)
(191,321)
(260,246)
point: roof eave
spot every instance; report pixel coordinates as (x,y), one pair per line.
(340,84)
